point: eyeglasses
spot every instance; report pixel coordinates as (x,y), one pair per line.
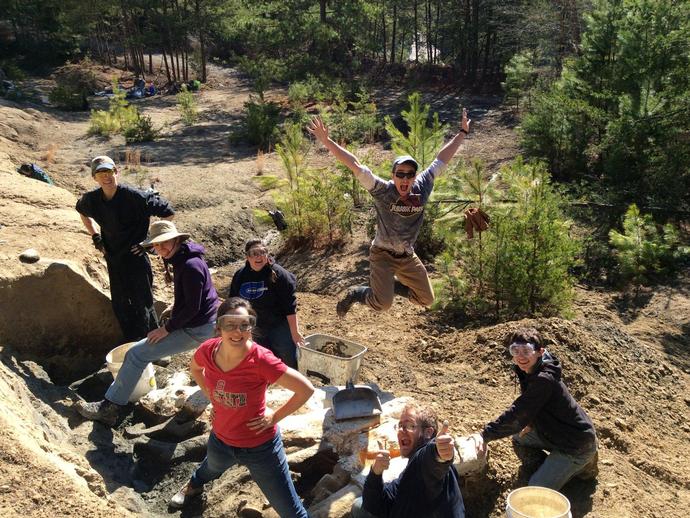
(257,252)
(244,324)
(104,172)
(405,427)
(408,176)
(526,349)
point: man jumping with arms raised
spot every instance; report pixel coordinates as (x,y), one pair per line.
(399,213)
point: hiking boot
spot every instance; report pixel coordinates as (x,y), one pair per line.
(103,411)
(591,469)
(401,290)
(185,493)
(353,295)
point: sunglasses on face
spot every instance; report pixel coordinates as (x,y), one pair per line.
(104,172)
(234,322)
(257,252)
(521,349)
(408,176)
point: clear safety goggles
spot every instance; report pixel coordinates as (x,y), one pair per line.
(521,349)
(257,252)
(235,322)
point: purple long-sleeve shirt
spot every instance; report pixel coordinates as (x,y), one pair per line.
(196,299)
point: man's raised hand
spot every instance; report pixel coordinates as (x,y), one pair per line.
(465,124)
(317,128)
(382,460)
(445,447)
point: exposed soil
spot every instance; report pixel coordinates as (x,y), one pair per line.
(626,361)
(334,349)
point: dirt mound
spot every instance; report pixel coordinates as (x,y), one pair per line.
(634,392)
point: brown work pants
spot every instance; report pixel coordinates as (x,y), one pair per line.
(408,269)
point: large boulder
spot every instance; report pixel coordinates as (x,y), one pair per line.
(56,308)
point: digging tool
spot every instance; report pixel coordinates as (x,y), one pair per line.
(355,401)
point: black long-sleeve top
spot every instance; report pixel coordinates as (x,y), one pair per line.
(546,405)
(426,488)
(273,300)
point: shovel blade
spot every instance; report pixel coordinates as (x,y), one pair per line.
(355,402)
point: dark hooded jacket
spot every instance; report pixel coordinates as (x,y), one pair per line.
(547,406)
(426,488)
(196,299)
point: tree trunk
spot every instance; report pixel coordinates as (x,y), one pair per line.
(322,11)
(402,47)
(167,68)
(202,40)
(474,44)
(383,29)
(416,34)
(393,32)
(427,15)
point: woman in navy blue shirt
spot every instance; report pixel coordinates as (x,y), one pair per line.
(271,289)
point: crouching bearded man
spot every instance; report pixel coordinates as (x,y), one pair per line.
(428,486)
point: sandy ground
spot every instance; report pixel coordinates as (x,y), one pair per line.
(627,363)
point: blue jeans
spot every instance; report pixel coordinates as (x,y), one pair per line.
(267,465)
(558,467)
(358,511)
(279,340)
(143,352)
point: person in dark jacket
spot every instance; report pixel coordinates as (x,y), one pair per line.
(123,215)
(545,416)
(428,487)
(271,290)
(192,320)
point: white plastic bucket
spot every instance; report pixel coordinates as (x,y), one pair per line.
(537,502)
(147,381)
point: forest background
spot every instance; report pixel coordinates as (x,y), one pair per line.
(600,94)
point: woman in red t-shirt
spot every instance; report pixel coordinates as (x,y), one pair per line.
(234,373)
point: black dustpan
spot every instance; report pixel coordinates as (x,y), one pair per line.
(355,401)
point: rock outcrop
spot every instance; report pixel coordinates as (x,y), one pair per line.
(55,308)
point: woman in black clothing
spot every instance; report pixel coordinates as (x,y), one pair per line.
(271,290)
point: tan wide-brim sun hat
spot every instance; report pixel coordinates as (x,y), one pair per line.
(163,230)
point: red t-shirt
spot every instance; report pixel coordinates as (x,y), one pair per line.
(239,395)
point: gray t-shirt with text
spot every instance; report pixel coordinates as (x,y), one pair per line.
(398,221)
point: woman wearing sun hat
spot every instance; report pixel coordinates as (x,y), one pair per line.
(191,321)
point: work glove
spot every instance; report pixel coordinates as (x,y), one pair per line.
(98,242)
(476,220)
(137,249)
(278,219)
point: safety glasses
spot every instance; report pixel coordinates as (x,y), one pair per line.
(524,349)
(235,322)
(405,427)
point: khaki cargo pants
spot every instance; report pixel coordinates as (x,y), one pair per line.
(409,270)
